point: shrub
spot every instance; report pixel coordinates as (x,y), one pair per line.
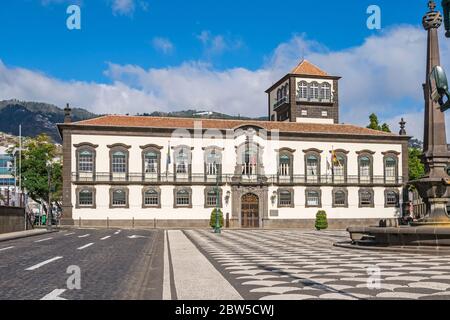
(321,220)
(212,221)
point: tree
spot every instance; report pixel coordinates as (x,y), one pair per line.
(375,125)
(416,167)
(36,155)
(321,220)
(212,221)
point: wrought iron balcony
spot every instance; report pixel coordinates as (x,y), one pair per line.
(200,178)
(281,102)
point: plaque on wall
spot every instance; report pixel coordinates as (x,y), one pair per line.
(273,213)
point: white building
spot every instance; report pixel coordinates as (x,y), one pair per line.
(149,171)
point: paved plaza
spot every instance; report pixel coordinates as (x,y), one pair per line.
(201,265)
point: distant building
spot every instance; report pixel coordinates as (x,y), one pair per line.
(151,171)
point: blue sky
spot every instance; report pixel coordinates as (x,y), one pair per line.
(144,55)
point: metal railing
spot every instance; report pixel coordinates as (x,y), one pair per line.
(11,198)
(280,102)
(102,177)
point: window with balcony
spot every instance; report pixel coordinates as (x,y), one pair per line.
(312,168)
(213,162)
(250,162)
(390,169)
(339,167)
(284,165)
(119,162)
(365,169)
(151,162)
(86,161)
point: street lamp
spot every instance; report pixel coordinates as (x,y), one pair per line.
(49,209)
(446,7)
(217,226)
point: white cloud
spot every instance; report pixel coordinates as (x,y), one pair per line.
(163,45)
(382,75)
(218,44)
(123,7)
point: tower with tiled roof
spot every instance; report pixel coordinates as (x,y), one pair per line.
(307,94)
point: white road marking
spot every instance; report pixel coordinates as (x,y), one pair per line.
(135,237)
(104,238)
(43,263)
(69,234)
(84,236)
(86,246)
(42,240)
(167,293)
(117,232)
(7,248)
(55,295)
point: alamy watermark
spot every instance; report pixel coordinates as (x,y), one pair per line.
(374,20)
(73,21)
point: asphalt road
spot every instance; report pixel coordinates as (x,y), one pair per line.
(113,264)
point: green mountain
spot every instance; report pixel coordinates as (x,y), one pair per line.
(35,118)
(39,117)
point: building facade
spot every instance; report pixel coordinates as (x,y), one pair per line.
(133,171)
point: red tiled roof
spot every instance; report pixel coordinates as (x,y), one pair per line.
(188,123)
(307,68)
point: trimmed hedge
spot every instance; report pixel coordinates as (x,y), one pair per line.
(321,220)
(212,221)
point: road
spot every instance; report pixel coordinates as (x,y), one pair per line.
(114,264)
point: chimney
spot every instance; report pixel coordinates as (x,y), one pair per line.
(67,114)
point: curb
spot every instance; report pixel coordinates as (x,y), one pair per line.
(5,236)
(417,250)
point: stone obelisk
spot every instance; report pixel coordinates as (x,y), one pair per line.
(433,187)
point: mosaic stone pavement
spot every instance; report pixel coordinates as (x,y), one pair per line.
(298,265)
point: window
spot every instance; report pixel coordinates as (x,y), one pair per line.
(85,161)
(213,162)
(364,169)
(119,162)
(211,198)
(182,161)
(119,198)
(304,112)
(286,90)
(324,113)
(182,198)
(325,92)
(314,91)
(390,169)
(285,198)
(151,198)
(366,198)
(250,162)
(284,166)
(312,168)
(312,198)
(85,198)
(391,198)
(339,169)
(302,92)
(339,198)
(151,162)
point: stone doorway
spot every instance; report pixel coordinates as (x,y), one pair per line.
(250,211)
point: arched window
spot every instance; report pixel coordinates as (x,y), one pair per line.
(250,162)
(182,161)
(340,199)
(213,162)
(85,198)
(325,91)
(182,198)
(390,169)
(312,168)
(119,197)
(285,198)
(339,166)
(314,91)
(85,161)
(365,170)
(391,198)
(366,198)
(313,198)
(284,169)
(286,90)
(151,198)
(151,162)
(302,92)
(119,162)
(211,198)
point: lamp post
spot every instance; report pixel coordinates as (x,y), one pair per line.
(446,7)
(49,209)
(217,226)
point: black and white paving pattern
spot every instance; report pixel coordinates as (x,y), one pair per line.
(298,265)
